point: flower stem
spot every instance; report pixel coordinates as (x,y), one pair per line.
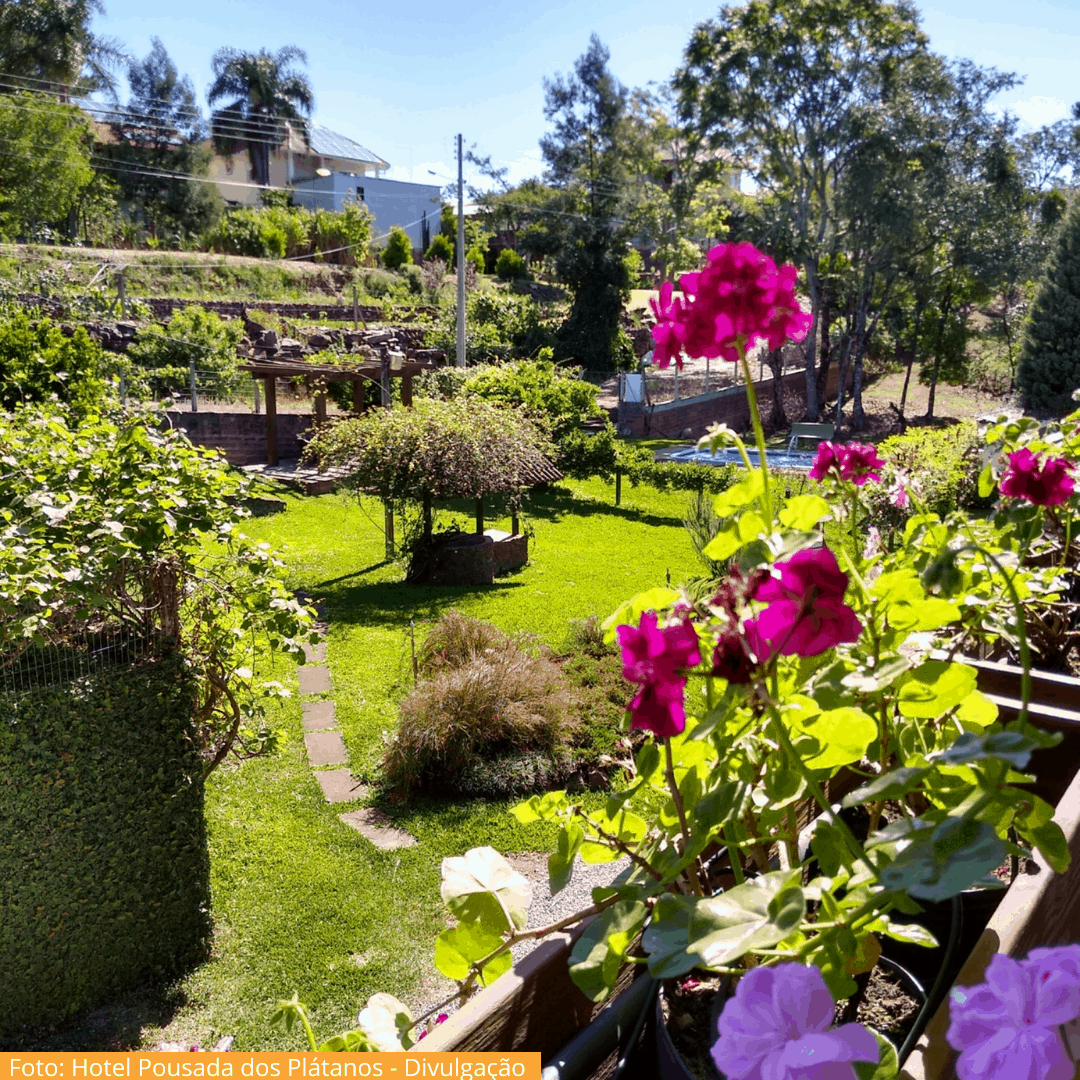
(759,431)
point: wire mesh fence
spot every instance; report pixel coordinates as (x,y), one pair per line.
(77,658)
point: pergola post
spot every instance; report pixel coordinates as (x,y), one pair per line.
(271,420)
(358,395)
(320,407)
(480,514)
(406,391)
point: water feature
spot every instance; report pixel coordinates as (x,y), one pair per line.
(776,459)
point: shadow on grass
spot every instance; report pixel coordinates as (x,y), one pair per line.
(394,603)
(115,1026)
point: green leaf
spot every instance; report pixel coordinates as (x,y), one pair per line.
(935,687)
(630,611)
(758,914)
(888,1065)
(833,738)
(869,680)
(739,495)
(601,950)
(723,804)
(648,760)
(1015,747)
(804,512)
(890,785)
(458,948)
(665,938)
(947,860)
(1050,840)
(829,846)
(561,862)
(481,886)
(909,933)
(987,483)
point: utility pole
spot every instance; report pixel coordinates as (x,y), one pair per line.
(460,257)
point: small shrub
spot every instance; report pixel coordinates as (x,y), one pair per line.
(193,336)
(398,250)
(506,701)
(413,278)
(942,466)
(509,265)
(456,640)
(441,248)
(702,523)
(37,362)
(475,257)
(378,283)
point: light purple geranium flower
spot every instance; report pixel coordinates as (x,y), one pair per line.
(1007,1027)
(776,1028)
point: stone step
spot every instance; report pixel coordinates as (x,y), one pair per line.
(314,680)
(326,748)
(319,716)
(375,826)
(316,654)
(339,786)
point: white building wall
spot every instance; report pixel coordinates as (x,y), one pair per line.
(392,202)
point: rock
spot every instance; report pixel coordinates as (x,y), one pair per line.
(319,341)
(289,344)
(127,329)
(267,339)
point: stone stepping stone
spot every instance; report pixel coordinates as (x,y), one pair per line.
(326,748)
(316,654)
(375,826)
(338,785)
(314,680)
(319,716)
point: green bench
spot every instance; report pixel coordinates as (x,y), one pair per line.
(817,432)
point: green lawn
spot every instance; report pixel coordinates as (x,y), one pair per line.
(301,901)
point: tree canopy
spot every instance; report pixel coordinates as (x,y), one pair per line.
(262,91)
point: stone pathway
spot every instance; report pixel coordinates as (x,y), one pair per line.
(329,758)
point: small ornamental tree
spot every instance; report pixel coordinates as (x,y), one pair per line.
(441,248)
(1049,369)
(458,449)
(398,250)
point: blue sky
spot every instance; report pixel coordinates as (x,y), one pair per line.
(404,80)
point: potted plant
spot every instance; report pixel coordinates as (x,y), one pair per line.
(810,657)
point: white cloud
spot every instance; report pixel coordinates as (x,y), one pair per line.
(1037,111)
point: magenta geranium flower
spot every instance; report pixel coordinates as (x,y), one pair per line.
(1047,485)
(1006,1027)
(654,657)
(776,1027)
(740,297)
(854,461)
(806,613)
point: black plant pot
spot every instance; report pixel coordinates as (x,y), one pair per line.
(672,1066)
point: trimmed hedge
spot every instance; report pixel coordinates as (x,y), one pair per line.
(104,868)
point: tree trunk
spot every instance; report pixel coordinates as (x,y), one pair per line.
(812,400)
(910,364)
(776,366)
(946,308)
(858,417)
(827,297)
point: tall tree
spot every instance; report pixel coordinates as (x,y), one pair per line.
(157,143)
(267,89)
(789,88)
(587,109)
(1049,368)
(48,45)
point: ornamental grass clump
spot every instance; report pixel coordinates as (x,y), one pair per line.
(486,697)
(803,682)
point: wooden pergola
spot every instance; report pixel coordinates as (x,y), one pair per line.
(379,372)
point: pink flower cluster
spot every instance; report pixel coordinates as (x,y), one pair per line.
(1007,1027)
(854,461)
(1048,484)
(805,615)
(738,298)
(655,658)
(776,1027)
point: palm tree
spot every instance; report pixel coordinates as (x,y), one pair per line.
(48,44)
(266,90)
